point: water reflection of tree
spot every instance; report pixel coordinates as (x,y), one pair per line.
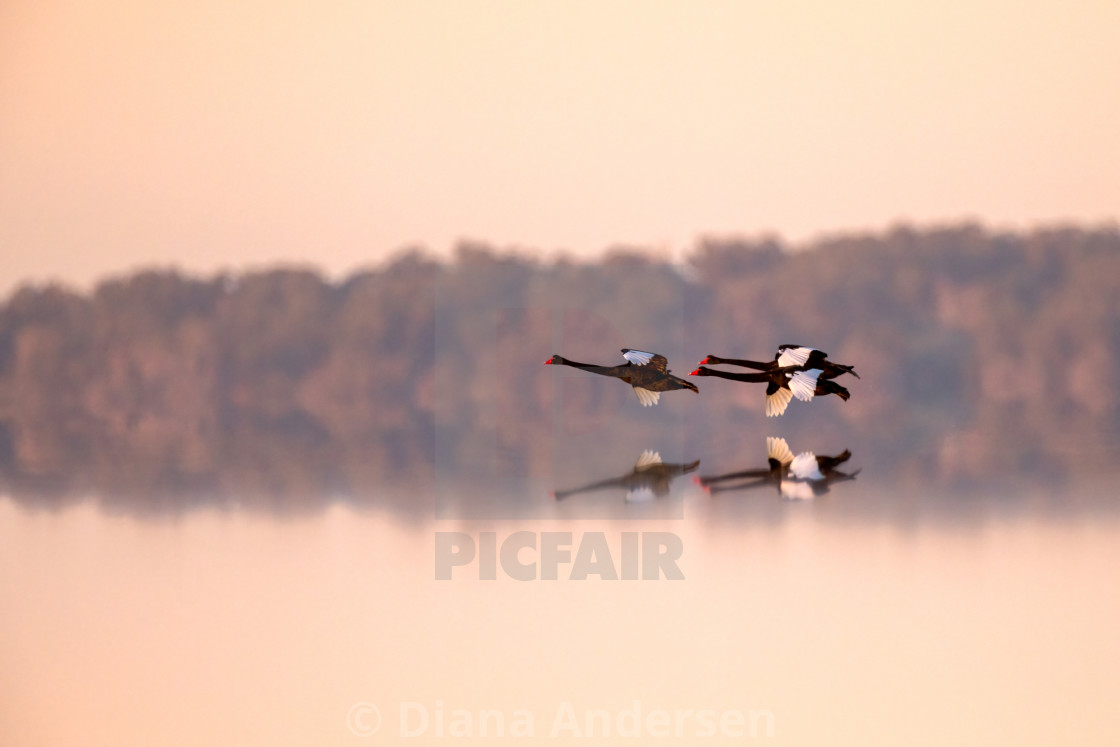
(980,353)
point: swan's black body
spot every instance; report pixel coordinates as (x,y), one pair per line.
(776,378)
(817,359)
(653,376)
(782,385)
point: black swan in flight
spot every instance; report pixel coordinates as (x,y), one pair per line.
(646,372)
(783,384)
(787,356)
(800,477)
(649,479)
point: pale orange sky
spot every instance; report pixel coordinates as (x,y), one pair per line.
(213,134)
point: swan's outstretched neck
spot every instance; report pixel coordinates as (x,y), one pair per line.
(755,378)
(557,360)
(756,365)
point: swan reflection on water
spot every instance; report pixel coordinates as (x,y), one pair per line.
(649,479)
(797,478)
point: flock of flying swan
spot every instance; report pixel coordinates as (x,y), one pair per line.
(795,371)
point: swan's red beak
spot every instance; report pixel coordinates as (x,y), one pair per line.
(547,362)
(707,359)
(695,373)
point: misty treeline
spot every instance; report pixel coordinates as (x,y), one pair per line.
(978,351)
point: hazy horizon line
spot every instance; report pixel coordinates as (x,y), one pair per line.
(677,255)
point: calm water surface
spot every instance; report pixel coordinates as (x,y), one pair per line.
(877,613)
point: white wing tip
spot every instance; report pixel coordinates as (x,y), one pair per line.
(646,397)
(777,402)
(777,448)
(648,458)
(797,490)
(805,466)
(794,356)
(640,495)
(637,357)
(804,384)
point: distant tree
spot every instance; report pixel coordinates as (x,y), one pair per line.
(991,348)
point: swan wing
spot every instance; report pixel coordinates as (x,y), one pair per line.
(646,397)
(637,357)
(797,490)
(642,358)
(778,449)
(648,459)
(805,467)
(793,355)
(804,384)
(777,402)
